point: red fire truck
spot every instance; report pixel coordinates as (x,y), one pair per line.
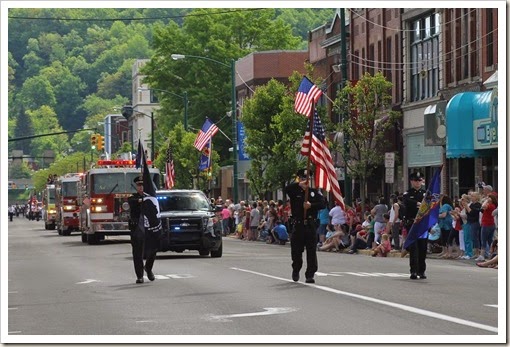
(103,196)
(66,203)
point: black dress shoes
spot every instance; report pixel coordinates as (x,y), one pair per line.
(139,280)
(422,276)
(310,280)
(150,275)
(295,276)
(413,276)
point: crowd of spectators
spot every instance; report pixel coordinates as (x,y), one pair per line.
(466,229)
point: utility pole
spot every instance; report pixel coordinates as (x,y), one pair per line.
(343,66)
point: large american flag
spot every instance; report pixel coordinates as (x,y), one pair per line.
(316,147)
(209,129)
(307,94)
(169,167)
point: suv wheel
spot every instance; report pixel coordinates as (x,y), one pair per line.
(203,252)
(218,253)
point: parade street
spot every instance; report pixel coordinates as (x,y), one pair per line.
(59,286)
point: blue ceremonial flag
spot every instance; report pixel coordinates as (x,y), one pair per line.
(205,157)
(428,211)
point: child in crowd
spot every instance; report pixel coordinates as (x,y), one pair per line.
(383,248)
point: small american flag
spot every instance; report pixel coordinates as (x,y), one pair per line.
(307,94)
(209,129)
(169,167)
(316,147)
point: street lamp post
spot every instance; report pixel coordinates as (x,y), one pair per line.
(234,113)
(127,112)
(184,97)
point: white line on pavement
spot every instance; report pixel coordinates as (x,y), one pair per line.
(267,311)
(383,302)
(496,306)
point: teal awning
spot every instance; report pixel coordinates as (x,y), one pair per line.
(461,111)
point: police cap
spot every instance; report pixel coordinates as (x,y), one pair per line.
(302,173)
(416,176)
(138,179)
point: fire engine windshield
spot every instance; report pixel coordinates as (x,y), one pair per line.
(112,183)
(69,189)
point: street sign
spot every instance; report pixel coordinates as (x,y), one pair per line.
(390,175)
(389,159)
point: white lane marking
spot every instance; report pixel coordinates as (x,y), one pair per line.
(13,308)
(384,302)
(180,276)
(13,292)
(144,321)
(323,274)
(373,274)
(14,332)
(87,281)
(268,311)
(488,305)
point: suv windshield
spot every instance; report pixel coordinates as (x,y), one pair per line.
(183,201)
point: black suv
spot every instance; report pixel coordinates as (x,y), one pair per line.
(187,217)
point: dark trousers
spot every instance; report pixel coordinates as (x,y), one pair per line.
(358,244)
(143,247)
(417,255)
(304,236)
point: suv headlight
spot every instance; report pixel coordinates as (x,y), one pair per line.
(209,225)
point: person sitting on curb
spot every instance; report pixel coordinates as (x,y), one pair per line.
(279,233)
(361,240)
(383,248)
(334,241)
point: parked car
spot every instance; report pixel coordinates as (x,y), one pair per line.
(188,221)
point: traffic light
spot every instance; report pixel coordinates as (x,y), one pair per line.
(93,141)
(100,143)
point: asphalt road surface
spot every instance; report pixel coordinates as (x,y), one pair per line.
(62,290)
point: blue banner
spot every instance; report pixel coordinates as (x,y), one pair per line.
(242,155)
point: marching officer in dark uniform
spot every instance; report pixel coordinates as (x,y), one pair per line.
(304,214)
(412,199)
(144,238)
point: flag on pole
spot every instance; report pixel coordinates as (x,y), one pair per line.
(169,168)
(428,212)
(148,185)
(314,145)
(139,154)
(205,157)
(307,94)
(209,129)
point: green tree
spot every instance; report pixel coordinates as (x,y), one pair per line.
(37,91)
(45,121)
(23,128)
(216,36)
(186,157)
(273,137)
(19,170)
(366,111)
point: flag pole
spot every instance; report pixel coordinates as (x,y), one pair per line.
(308,161)
(209,178)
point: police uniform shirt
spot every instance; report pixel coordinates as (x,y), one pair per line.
(297,199)
(411,198)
